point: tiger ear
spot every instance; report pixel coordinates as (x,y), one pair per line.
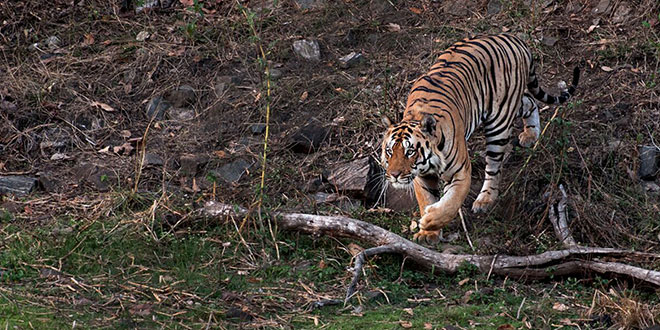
(428,124)
(386,120)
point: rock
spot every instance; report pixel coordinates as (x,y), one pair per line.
(309,138)
(458,8)
(307,49)
(574,7)
(50,273)
(309,4)
(450,327)
(182,96)
(232,172)
(7,106)
(157,108)
(343,202)
(48,183)
(350,39)
(182,114)
(18,185)
(602,7)
(151,159)
(648,162)
(651,187)
(52,43)
(494,7)
(149,4)
(614,145)
(314,185)
(213,209)
(142,36)
(275,73)
(224,83)
(621,14)
(374,296)
(549,41)
(237,313)
(351,178)
(10,206)
(653,327)
(257,129)
(349,60)
(191,164)
(399,200)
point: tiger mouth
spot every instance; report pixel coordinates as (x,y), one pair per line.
(401,183)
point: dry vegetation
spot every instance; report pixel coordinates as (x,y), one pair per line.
(107,240)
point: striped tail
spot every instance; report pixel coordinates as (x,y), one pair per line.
(544,97)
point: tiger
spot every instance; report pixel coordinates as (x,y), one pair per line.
(487,80)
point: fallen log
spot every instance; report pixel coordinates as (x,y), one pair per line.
(574,259)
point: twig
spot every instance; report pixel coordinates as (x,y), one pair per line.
(520,308)
(359,264)
(559,221)
(467,235)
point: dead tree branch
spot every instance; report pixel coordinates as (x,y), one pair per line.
(573,259)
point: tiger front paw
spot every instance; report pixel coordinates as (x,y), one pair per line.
(483,202)
(528,137)
(430,237)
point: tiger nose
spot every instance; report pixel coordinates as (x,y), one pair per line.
(395,174)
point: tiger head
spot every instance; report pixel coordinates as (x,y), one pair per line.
(406,150)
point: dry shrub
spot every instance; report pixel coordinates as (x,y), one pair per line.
(627,310)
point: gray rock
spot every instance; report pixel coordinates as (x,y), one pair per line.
(621,14)
(458,8)
(648,162)
(309,138)
(157,108)
(49,183)
(9,206)
(182,96)
(307,49)
(191,164)
(350,39)
(651,187)
(602,7)
(7,106)
(151,159)
(182,114)
(314,185)
(309,4)
(399,200)
(614,145)
(549,41)
(18,185)
(349,60)
(98,177)
(257,129)
(232,172)
(352,177)
(275,73)
(237,313)
(574,7)
(52,43)
(374,296)
(224,83)
(494,7)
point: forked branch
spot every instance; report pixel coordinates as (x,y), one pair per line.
(574,259)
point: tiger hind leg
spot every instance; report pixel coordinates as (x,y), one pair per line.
(530,116)
(497,148)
